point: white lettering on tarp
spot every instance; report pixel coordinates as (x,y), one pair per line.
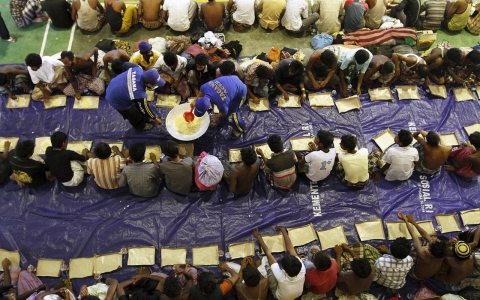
(316,207)
(308,128)
(412,126)
(424,195)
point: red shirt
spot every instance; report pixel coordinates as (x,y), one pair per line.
(322,281)
(348,2)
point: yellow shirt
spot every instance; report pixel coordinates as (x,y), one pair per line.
(459,21)
(137,58)
(271,10)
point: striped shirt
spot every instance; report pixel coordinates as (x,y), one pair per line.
(434,13)
(473,24)
(106,171)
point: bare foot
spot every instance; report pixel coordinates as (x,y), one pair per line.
(449,168)
(12,39)
(143,271)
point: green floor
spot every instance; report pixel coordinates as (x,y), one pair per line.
(255,41)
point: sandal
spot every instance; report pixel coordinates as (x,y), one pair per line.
(12,39)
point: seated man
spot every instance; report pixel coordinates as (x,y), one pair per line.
(228,67)
(471,236)
(143,179)
(286,283)
(89,14)
(411,69)
(25,12)
(460,66)
(457,14)
(434,13)
(270,13)
(66,166)
(119,16)
(331,15)
(104,167)
(352,167)
(459,266)
(213,16)
(14,77)
(208,288)
(146,57)
(172,68)
(318,164)
(82,72)
(289,78)
(47,75)
(177,172)
(199,71)
(429,258)
(178,14)
(375,13)
(240,178)
(381,68)
(354,62)
(294,12)
(258,75)
(321,70)
(59,12)
(149,13)
(391,269)
(242,13)
(208,172)
(280,168)
(356,280)
(28,169)
(431,154)
(323,277)
(407,12)
(251,283)
(5,156)
(108,58)
(473,24)
(354,12)
(465,160)
(399,161)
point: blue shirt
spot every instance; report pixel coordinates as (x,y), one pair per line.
(224,91)
(126,87)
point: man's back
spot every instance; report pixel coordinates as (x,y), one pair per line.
(245,176)
(150,9)
(59,12)
(28,171)
(352,284)
(401,160)
(475,160)
(213,12)
(435,157)
(142,179)
(178,175)
(459,269)
(426,265)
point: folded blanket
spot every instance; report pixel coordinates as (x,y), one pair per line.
(378,36)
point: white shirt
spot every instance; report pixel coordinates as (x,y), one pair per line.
(401,160)
(245,13)
(289,288)
(177,14)
(320,164)
(180,69)
(350,58)
(355,165)
(46,71)
(296,9)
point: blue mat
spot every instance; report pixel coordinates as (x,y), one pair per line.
(59,222)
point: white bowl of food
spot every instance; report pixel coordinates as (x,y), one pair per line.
(183,130)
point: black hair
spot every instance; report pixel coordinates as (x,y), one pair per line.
(387,67)
(275,143)
(423,70)
(262,72)
(291,265)
(33,60)
(405,137)
(474,138)
(251,276)
(117,65)
(326,138)
(361,267)
(24,149)
(90,297)
(137,152)
(227,68)
(327,57)
(3,79)
(170,58)
(58,138)
(439,249)
(171,149)
(295,66)
(206,282)
(249,157)
(201,59)
(67,54)
(139,294)
(349,142)
(474,57)
(400,248)
(103,151)
(454,55)
(361,56)
(433,139)
(322,261)
(172,286)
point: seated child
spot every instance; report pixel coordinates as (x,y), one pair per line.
(208,172)
(352,167)
(28,169)
(241,177)
(177,172)
(104,167)
(318,164)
